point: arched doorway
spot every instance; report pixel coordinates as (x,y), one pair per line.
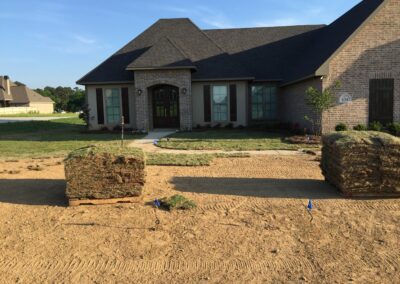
(165,100)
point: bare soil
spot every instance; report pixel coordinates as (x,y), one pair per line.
(251,225)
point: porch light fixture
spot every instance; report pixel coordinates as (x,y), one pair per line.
(184,90)
(139,92)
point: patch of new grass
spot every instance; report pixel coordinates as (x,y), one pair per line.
(51,138)
(187,160)
(230,140)
(177,202)
(232,155)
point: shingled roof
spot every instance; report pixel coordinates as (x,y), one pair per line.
(163,55)
(284,54)
(20,94)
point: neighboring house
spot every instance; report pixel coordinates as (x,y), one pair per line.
(13,95)
(175,75)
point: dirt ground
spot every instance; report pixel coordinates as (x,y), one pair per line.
(251,225)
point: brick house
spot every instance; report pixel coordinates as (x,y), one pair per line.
(18,98)
(175,75)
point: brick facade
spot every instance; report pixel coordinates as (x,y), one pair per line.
(146,79)
(292,104)
(373,53)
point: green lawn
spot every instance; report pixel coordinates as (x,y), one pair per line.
(230,140)
(40,115)
(49,138)
(186,160)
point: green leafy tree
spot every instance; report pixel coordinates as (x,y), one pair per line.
(65,98)
(319,101)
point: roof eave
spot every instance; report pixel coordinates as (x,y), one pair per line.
(160,68)
(312,76)
(84,83)
(223,79)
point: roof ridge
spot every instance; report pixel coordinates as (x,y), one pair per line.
(270,27)
(207,36)
(174,44)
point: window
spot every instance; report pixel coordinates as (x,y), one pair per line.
(113,105)
(220,103)
(263,102)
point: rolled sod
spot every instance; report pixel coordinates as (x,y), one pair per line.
(104,172)
(362,162)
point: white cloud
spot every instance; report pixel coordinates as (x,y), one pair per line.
(211,17)
(70,44)
(84,40)
(279,22)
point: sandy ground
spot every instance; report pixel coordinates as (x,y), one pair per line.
(251,226)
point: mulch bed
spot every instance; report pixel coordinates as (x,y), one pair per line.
(304,139)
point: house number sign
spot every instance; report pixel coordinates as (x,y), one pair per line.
(345,98)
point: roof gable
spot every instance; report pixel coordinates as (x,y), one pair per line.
(327,41)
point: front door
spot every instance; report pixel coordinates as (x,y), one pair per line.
(165,107)
(381,95)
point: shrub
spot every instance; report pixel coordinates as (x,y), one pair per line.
(84,115)
(177,202)
(360,127)
(341,127)
(394,129)
(375,126)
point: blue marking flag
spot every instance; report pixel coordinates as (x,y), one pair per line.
(157,203)
(155,142)
(310,205)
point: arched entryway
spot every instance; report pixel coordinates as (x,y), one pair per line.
(165,104)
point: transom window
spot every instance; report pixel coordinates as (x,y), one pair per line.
(113,105)
(264,104)
(220,103)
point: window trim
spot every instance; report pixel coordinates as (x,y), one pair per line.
(227,103)
(250,100)
(105,104)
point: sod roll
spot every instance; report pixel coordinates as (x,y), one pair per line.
(362,162)
(104,172)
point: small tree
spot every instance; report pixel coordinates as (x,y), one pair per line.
(319,102)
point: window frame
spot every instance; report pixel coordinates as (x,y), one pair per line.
(105,105)
(250,108)
(227,103)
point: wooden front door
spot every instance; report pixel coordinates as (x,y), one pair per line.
(381,96)
(165,107)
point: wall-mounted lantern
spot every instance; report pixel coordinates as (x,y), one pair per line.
(139,92)
(184,91)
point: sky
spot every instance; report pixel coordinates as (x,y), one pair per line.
(56,42)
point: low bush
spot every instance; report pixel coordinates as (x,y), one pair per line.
(375,126)
(177,202)
(394,129)
(360,127)
(341,127)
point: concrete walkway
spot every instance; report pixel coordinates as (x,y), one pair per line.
(147,145)
(153,135)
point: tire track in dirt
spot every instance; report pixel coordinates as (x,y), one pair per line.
(261,205)
(74,266)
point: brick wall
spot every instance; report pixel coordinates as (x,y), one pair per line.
(146,79)
(373,53)
(292,105)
